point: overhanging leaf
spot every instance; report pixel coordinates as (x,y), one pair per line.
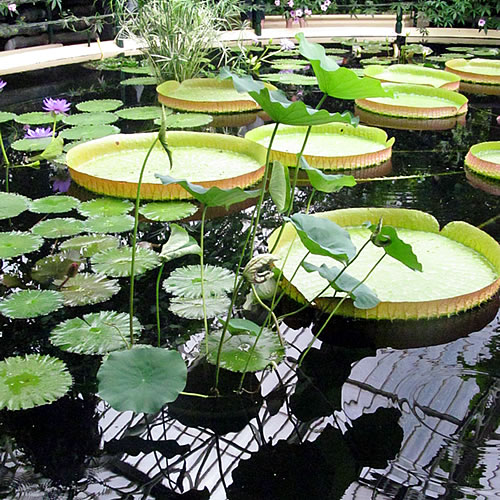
(240,325)
(279,186)
(326,183)
(53,150)
(179,243)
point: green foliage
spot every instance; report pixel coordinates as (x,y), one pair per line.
(87,288)
(326,183)
(179,243)
(99,105)
(166,211)
(58,228)
(11,205)
(31,303)
(54,204)
(279,186)
(16,243)
(116,261)
(105,207)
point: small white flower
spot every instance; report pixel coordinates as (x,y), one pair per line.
(287,44)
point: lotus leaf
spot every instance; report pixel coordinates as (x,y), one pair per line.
(53,204)
(179,243)
(116,262)
(31,303)
(87,288)
(290,79)
(99,105)
(326,183)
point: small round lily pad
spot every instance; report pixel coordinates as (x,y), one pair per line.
(140,80)
(5,116)
(87,288)
(59,228)
(101,118)
(193,308)
(116,262)
(142,113)
(99,105)
(105,206)
(167,211)
(16,243)
(37,118)
(11,205)
(29,145)
(54,204)
(110,224)
(89,245)
(55,266)
(89,132)
(31,303)
(186,120)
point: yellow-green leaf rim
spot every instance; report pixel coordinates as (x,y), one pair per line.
(484,159)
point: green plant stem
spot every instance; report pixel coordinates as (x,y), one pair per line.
(202,270)
(134,241)
(271,312)
(158,280)
(311,196)
(195,394)
(7,163)
(54,127)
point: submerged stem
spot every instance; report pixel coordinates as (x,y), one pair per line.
(7,163)
(158,279)
(202,264)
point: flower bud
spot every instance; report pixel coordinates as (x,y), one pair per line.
(258,268)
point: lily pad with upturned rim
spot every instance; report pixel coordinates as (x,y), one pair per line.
(142,113)
(167,211)
(31,303)
(16,243)
(99,118)
(99,105)
(54,204)
(110,224)
(87,288)
(116,261)
(88,132)
(89,245)
(476,75)
(58,228)
(193,308)
(95,333)
(32,380)
(484,159)
(105,207)
(11,205)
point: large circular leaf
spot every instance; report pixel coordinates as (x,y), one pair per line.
(87,288)
(29,145)
(12,205)
(99,105)
(90,244)
(31,303)
(186,281)
(186,120)
(54,266)
(100,118)
(88,132)
(142,113)
(16,243)
(54,204)
(142,380)
(58,228)
(5,116)
(193,308)
(110,224)
(33,380)
(105,206)
(96,333)
(37,118)
(167,211)
(116,262)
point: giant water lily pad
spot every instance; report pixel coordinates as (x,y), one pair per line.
(416,101)
(58,228)
(54,204)
(11,205)
(87,288)
(111,165)
(31,303)
(116,261)
(142,379)
(476,75)
(32,380)
(16,243)
(484,159)
(95,333)
(91,244)
(461,266)
(413,74)
(332,146)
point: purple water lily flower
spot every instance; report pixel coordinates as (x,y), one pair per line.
(2,84)
(56,106)
(38,133)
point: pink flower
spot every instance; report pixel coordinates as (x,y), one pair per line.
(324,7)
(290,3)
(298,13)
(292,13)
(2,84)
(307,12)
(481,23)
(327,3)
(498,119)
(12,7)
(38,133)
(56,106)
(277,3)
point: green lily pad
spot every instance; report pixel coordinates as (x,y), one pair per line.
(31,303)
(193,308)
(37,118)
(116,262)
(291,64)
(142,113)
(11,205)
(110,224)
(55,266)
(167,211)
(99,105)
(5,116)
(239,354)
(54,204)
(59,228)
(29,145)
(16,243)
(105,207)
(87,288)
(142,379)
(33,380)
(96,333)
(90,244)
(138,70)
(290,79)
(88,132)
(140,80)
(186,281)
(186,120)
(100,118)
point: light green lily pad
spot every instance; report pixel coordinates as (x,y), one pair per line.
(138,70)
(290,79)
(140,80)
(59,228)
(96,333)
(110,224)
(11,205)
(167,211)
(142,113)
(16,243)
(90,244)
(37,118)
(105,207)
(54,204)
(99,105)
(30,145)
(55,266)
(87,288)
(116,262)
(5,116)
(31,303)
(100,118)
(142,379)
(193,308)
(186,120)
(89,132)
(32,380)
(186,281)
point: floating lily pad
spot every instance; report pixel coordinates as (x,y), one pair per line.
(37,118)
(239,354)
(54,204)
(96,333)
(142,113)
(59,228)
(110,224)
(116,262)
(193,308)
(186,120)
(31,303)
(105,207)
(54,266)
(100,118)
(476,75)
(88,132)
(140,80)
(186,281)
(87,288)
(290,79)
(5,116)
(99,105)
(484,159)
(291,64)
(167,211)
(381,61)
(16,243)
(91,244)
(138,70)
(32,380)
(142,379)
(30,145)
(11,205)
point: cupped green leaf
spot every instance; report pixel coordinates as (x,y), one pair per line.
(55,266)
(179,243)
(241,325)
(53,150)
(32,380)
(91,244)
(88,132)
(105,207)
(99,118)
(242,352)
(31,303)
(53,204)
(186,281)
(323,237)
(99,105)
(326,183)
(142,113)
(116,261)
(166,211)
(58,228)
(37,118)
(95,333)
(213,196)
(336,81)
(11,205)
(87,288)
(193,308)
(279,186)
(363,297)
(5,116)
(142,380)
(29,145)
(140,80)
(110,224)
(16,243)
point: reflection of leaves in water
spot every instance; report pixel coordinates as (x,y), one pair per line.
(133,445)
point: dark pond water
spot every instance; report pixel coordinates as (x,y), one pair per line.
(359,420)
